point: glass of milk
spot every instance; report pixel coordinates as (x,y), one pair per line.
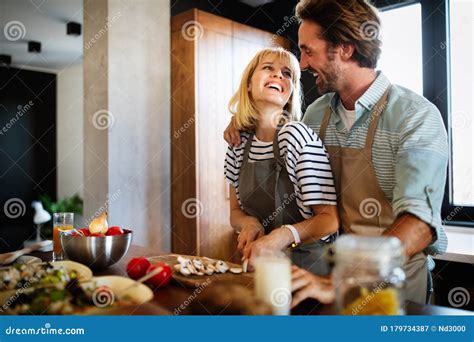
(273,282)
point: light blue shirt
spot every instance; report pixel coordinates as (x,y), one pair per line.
(409,153)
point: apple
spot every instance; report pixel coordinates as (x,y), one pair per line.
(137,267)
(162,278)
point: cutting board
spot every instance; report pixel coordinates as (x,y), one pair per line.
(193,281)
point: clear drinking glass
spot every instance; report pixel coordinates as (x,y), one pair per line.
(273,282)
(61,222)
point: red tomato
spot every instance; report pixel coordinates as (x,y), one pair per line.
(97,235)
(115,230)
(85,231)
(137,267)
(162,278)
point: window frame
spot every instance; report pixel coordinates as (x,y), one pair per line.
(436,87)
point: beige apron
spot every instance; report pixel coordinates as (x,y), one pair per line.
(362,205)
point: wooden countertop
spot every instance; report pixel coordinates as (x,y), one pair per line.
(168,299)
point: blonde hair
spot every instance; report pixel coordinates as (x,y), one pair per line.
(241,104)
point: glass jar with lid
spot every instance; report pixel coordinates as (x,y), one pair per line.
(368,275)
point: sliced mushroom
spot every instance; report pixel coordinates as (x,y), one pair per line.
(208,270)
(181,260)
(184,271)
(245,265)
(177,267)
(190,267)
(198,264)
(211,267)
(221,266)
(236,270)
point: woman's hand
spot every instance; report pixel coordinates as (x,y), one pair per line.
(268,245)
(251,231)
(232,134)
(308,285)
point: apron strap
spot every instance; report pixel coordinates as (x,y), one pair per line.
(375,116)
(276,149)
(280,163)
(248,144)
(324,124)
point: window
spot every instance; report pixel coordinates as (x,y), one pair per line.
(461,100)
(429,48)
(401,59)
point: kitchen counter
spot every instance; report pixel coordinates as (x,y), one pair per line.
(171,297)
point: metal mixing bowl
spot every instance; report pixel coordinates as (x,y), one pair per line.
(96,252)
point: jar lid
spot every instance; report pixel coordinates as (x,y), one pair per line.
(380,248)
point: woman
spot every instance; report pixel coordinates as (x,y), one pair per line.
(282,192)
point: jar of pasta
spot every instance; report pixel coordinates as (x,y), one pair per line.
(368,275)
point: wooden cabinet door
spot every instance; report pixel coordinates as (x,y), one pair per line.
(214,89)
(205,74)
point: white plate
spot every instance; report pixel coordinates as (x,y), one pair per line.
(140,293)
(84,274)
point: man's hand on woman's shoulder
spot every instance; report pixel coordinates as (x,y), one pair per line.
(232,134)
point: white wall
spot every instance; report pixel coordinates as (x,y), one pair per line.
(127,80)
(70,156)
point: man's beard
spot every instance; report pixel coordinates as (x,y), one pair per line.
(329,83)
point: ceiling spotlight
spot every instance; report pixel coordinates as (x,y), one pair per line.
(5,59)
(34,46)
(73,29)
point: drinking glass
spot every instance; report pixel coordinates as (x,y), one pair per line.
(61,222)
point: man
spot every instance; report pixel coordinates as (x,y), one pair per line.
(387,145)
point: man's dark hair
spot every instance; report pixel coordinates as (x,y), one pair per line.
(352,22)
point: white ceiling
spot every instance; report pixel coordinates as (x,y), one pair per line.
(43,21)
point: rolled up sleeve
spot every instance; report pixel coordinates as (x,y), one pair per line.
(420,171)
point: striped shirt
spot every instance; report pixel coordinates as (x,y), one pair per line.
(409,152)
(305,158)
